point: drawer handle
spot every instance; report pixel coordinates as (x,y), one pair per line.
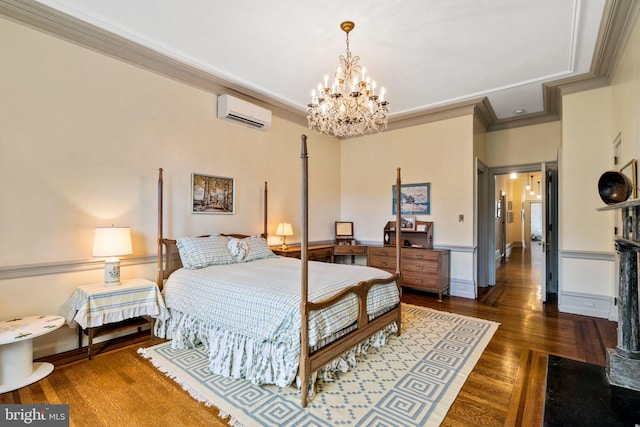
(384,263)
(350,251)
(419,256)
(418,280)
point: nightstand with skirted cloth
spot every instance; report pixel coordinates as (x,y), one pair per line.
(97,309)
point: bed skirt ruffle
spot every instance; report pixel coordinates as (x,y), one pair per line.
(235,355)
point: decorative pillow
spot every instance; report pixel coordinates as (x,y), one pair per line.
(199,252)
(258,248)
(238,248)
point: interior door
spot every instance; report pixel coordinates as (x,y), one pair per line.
(550,216)
(545,234)
(503,228)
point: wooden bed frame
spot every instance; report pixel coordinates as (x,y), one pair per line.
(169,261)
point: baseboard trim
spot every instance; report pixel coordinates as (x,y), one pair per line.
(588,305)
(462,288)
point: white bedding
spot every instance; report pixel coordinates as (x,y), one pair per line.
(248,314)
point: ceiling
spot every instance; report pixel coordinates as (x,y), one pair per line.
(430,55)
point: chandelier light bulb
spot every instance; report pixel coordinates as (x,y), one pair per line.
(350,107)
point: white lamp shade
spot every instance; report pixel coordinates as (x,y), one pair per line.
(284,229)
(112,241)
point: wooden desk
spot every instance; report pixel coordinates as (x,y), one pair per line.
(350,250)
(317,252)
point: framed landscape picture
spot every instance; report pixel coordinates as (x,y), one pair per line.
(415,199)
(212,194)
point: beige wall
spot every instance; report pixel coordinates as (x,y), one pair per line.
(591,122)
(440,153)
(81,139)
(625,105)
(479,140)
(587,152)
(524,145)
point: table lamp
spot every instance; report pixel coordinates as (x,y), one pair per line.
(112,242)
(284,229)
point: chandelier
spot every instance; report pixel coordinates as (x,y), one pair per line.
(349,105)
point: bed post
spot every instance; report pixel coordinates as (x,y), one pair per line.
(398,242)
(160,278)
(264,233)
(305,362)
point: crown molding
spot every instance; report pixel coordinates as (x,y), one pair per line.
(443,112)
(618,19)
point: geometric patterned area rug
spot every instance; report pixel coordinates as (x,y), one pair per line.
(411,382)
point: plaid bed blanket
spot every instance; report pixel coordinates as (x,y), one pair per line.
(248,314)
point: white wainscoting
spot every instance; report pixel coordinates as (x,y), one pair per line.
(587,284)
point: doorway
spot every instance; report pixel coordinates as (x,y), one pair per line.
(521,220)
(535,221)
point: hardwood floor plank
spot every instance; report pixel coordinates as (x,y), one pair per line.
(519,391)
(536,385)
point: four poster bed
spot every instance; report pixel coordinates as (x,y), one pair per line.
(252,310)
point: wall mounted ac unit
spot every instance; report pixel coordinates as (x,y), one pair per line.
(239,111)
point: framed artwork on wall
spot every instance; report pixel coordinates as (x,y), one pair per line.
(415,199)
(631,170)
(212,194)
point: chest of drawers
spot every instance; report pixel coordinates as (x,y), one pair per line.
(424,269)
(382,257)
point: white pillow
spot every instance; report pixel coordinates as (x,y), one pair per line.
(258,248)
(199,252)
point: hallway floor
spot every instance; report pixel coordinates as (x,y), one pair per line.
(518,281)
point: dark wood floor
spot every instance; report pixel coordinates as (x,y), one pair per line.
(506,387)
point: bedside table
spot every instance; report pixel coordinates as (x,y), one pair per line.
(97,309)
